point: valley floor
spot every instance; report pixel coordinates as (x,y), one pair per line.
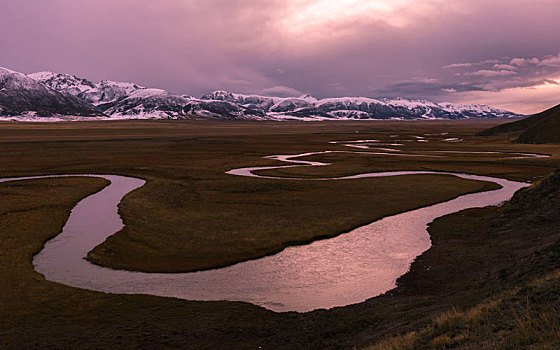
(192,216)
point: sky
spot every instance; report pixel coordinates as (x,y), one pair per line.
(502,53)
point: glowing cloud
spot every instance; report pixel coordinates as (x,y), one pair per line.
(527,100)
(312,17)
(375,48)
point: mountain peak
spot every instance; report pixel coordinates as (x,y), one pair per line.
(307,97)
(65,83)
(43,75)
(8,71)
(21,95)
(219,95)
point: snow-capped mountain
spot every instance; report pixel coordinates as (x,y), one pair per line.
(147,103)
(309,108)
(22,96)
(116,100)
(97,94)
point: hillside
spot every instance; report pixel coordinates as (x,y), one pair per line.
(539,128)
(22,96)
(506,264)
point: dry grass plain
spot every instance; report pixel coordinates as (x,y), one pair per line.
(191,216)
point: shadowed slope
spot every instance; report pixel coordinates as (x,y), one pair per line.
(521,266)
(540,128)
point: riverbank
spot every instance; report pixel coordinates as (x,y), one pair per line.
(463,269)
(176,222)
(305,278)
(519,309)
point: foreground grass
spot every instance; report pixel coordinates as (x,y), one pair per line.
(521,318)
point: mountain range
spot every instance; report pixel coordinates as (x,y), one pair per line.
(54,96)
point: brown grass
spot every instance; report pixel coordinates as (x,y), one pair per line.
(38,314)
(192,216)
(184,164)
(505,321)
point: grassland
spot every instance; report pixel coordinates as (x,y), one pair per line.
(192,216)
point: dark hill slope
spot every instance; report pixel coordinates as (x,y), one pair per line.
(538,203)
(539,128)
(496,272)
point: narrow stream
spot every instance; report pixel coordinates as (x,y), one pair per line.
(348,269)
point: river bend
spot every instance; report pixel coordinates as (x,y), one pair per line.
(344,270)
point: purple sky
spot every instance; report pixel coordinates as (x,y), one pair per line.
(502,53)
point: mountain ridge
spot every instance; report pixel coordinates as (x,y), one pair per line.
(120,100)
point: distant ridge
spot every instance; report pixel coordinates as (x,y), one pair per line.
(543,127)
(79,98)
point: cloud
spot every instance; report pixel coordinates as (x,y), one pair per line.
(518,61)
(459,65)
(504,66)
(281,91)
(470,64)
(526,100)
(551,61)
(490,61)
(491,73)
(494,75)
(322,47)
(424,88)
(327,19)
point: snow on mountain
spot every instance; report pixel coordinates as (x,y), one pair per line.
(130,101)
(161,104)
(221,95)
(63,82)
(346,101)
(100,93)
(267,103)
(476,110)
(21,95)
(149,103)
(309,108)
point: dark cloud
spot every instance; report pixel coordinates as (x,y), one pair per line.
(321,47)
(425,88)
(510,72)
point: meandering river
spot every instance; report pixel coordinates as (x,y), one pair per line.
(344,270)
